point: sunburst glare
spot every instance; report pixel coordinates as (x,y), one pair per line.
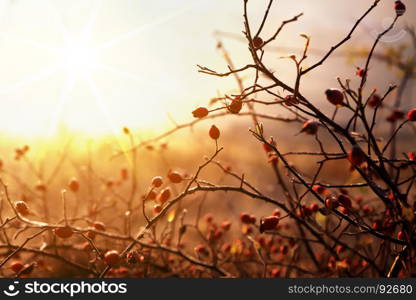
(77,62)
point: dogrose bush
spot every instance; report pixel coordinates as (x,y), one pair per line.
(316,226)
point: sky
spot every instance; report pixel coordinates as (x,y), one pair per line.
(97,65)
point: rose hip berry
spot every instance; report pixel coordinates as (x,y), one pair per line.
(400,8)
(268,223)
(411,115)
(22,208)
(175,177)
(157,181)
(356,156)
(214,132)
(112,258)
(310,127)
(257,42)
(73,185)
(335,96)
(319,189)
(235,106)
(164,195)
(200,112)
(247,219)
(64,232)
(16,266)
(374,101)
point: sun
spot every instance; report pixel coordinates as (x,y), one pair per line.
(88,89)
(78,57)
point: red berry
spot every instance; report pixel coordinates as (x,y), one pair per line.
(73,185)
(132,257)
(334,96)
(235,106)
(64,232)
(86,246)
(122,271)
(164,195)
(331,203)
(257,42)
(226,225)
(91,234)
(273,159)
(396,115)
(214,132)
(319,189)
(310,127)
(399,7)
(411,115)
(16,266)
(151,195)
(217,235)
(377,225)
(345,200)
(157,181)
(306,211)
(268,223)
(276,212)
(374,101)
(274,249)
(112,258)
(208,218)
(291,100)
(300,213)
(400,235)
(124,173)
(275,273)
(344,210)
(200,112)
(22,208)
(246,218)
(313,207)
(356,156)
(175,177)
(100,226)
(360,72)
(226,247)
(340,249)
(157,208)
(267,147)
(40,187)
(344,191)
(367,210)
(201,249)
